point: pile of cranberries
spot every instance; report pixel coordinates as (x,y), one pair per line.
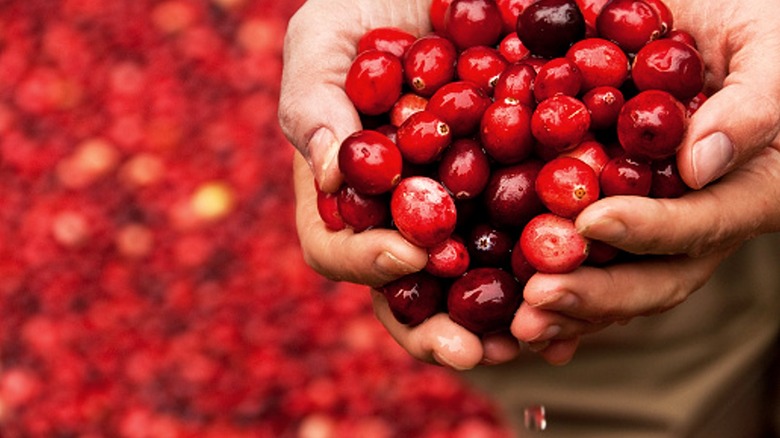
(484,140)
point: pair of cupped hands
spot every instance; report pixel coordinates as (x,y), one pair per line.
(730,154)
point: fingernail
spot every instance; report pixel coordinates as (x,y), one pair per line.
(711,156)
(323,148)
(389,264)
(606,229)
(538,346)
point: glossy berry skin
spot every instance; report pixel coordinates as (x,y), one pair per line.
(423,211)
(592,153)
(438,14)
(422,137)
(510,10)
(387,39)
(460,104)
(512,49)
(567,185)
(405,106)
(665,16)
(505,131)
(560,122)
(328,209)
(600,62)
(374,81)
(464,169)
(361,212)
(489,246)
(415,297)
(370,161)
(448,259)
(429,63)
(604,104)
(470,23)
(670,66)
(666,179)
(629,23)
(549,27)
(484,300)
(510,196)
(516,82)
(552,245)
(590,12)
(651,125)
(481,65)
(683,37)
(624,175)
(557,76)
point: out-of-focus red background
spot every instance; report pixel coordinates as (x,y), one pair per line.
(151,284)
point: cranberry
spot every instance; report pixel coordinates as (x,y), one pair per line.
(422,137)
(328,209)
(601,63)
(388,39)
(429,63)
(510,10)
(438,15)
(512,49)
(624,175)
(374,81)
(629,23)
(567,185)
(693,104)
(371,162)
(448,259)
(665,16)
(516,82)
(510,196)
(651,124)
(414,298)
(560,122)
(549,27)
(505,131)
(591,152)
(666,179)
(604,104)
(489,246)
(484,300)
(557,76)
(360,211)
(551,244)
(683,37)
(471,23)
(423,211)
(590,12)
(481,65)
(670,66)
(522,270)
(460,104)
(464,169)
(405,106)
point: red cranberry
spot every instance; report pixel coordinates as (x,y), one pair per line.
(386,39)
(371,162)
(522,270)
(328,209)
(666,179)
(549,27)
(516,82)
(560,122)
(405,106)
(481,65)
(489,246)
(374,81)
(460,104)
(510,197)
(590,11)
(601,63)
(552,245)
(438,15)
(429,63)
(471,23)
(629,23)
(651,125)
(414,298)
(362,212)
(604,104)
(592,153)
(422,137)
(566,186)
(423,211)
(448,259)
(670,66)
(665,16)
(512,49)
(484,300)
(464,169)
(624,175)
(683,37)
(693,104)
(510,10)
(557,76)
(505,131)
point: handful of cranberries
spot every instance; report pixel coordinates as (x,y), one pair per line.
(485,139)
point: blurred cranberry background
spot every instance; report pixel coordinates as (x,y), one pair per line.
(151,283)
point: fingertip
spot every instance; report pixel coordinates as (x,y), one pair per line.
(499,348)
(450,344)
(561,351)
(322,150)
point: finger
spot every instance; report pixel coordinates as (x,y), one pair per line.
(436,340)
(622,291)
(372,257)
(558,352)
(499,348)
(741,205)
(535,325)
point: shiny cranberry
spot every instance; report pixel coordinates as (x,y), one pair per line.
(423,137)
(624,175)
(604,104)
(429,63)
(567,185)
(557,76)
(371,162)
(489,246)
(629,23)
(516,82)
(362,212)
(510,197)
(423,211)
(328,209)
(505,131)
(693,104)
(522,270)
(438,13)
(448,259)
(484,300)
(460,104)
(664,15)
(590,11)
(388,39)
(560,122)
(481,65)
(671,66)
(683,37)
(601,63)
(405,106)
(471,23)
(666,179)
(512,49)
(651,125)
(464,169)
(510,10)
(552,245)
(549,27)
(374,81)
(415,297)
(592,153)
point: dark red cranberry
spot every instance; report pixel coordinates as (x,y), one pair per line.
(629,23)
(560,122)
(512,49)
(601,63)
(549,27)
(557,76)
(464,169)
(429,63)
(651,125)
(387,39)
(510,197)
(328,209)
(374,81)
(470,23)
(484,300)
(667,182)
(362,212)
(460,104)
(670,66)
(604,104)
(415,297)
(505,131)
(481,65)
(448,259)
(624,175)
(405,106)
(516,82)
(370,161)
(423,211)
(522,270)
(423,137)
(489,246)
(567,185)
(551,244)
